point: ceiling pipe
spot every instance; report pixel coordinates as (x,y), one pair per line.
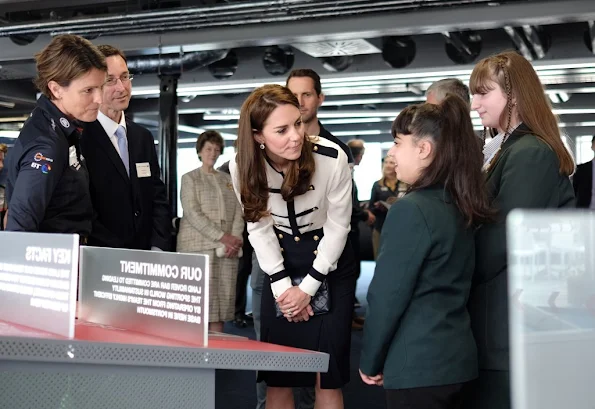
(222,15)
(169,64)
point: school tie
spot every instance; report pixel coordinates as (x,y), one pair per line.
(123,146)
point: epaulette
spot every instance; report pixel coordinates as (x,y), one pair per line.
(325,150)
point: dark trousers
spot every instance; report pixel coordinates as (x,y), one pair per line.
(244,270)
(431,397)
(490,391)
(354,239)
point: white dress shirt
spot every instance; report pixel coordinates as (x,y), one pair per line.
(491,148)
(329,201)
(110,128)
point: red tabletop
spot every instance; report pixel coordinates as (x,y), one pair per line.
(85,331)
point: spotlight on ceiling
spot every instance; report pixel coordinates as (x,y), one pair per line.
(398,52)
(226,67)
(532,42)
(337,63)
(23,39)
(462,47)
(278,60)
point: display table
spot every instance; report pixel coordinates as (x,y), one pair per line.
(108,368)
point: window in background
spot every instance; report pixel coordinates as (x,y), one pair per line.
(584,153)
(370,169)
(188,160)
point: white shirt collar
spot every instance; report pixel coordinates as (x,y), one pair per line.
(491,148)
(109,125)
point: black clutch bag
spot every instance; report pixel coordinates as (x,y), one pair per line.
(320,303)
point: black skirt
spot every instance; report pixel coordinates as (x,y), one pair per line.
(329,333)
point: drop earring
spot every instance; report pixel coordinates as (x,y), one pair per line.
(262,146)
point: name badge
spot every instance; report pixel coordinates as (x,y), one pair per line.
(143,170)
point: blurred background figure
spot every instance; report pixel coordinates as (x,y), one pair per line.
(3,151)
(438,90)
(212,224)
(385,192)
(583,183)
(358,214)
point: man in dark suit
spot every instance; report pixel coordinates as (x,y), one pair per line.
(583,183)
(129,199)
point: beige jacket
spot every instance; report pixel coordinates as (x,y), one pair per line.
(201,226)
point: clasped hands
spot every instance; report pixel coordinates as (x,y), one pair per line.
(295,305)
(377,380)
(232,244)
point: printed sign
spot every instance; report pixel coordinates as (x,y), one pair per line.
(38,277)
(157,293)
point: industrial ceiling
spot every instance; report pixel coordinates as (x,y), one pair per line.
(374,57)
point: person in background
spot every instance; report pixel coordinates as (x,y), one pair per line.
(438,90)
(385,193)
(582,181)
(244,271)
(295,191)
(3,151)
(358,214)
(212,224)
(129,198)
(48,185)
(418,342)
(526,166)
(306,86)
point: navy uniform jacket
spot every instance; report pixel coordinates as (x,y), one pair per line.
(48,185)
(130,212)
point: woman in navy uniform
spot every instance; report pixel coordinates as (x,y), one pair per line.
(296,193)
(48,185)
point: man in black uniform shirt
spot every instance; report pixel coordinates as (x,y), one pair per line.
(48,187)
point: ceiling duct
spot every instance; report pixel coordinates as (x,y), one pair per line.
(226,67)
(533,42)
(278,60)
(236,13)
(462,47)
(170,64)
(398,52)
(337,48)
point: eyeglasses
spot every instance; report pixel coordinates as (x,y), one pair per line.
(125,78)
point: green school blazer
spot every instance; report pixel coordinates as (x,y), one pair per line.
(417,330)
(526,175)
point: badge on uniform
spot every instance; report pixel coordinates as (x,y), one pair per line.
(229,186)
(143,170)
(73,159)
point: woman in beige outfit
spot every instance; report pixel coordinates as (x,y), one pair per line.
(212,219)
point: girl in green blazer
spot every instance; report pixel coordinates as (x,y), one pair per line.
(417,337)
(526,166)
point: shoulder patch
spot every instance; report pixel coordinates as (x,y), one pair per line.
(325,150)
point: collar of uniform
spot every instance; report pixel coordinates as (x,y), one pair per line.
(323,132)
(57,117)
(109,125)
